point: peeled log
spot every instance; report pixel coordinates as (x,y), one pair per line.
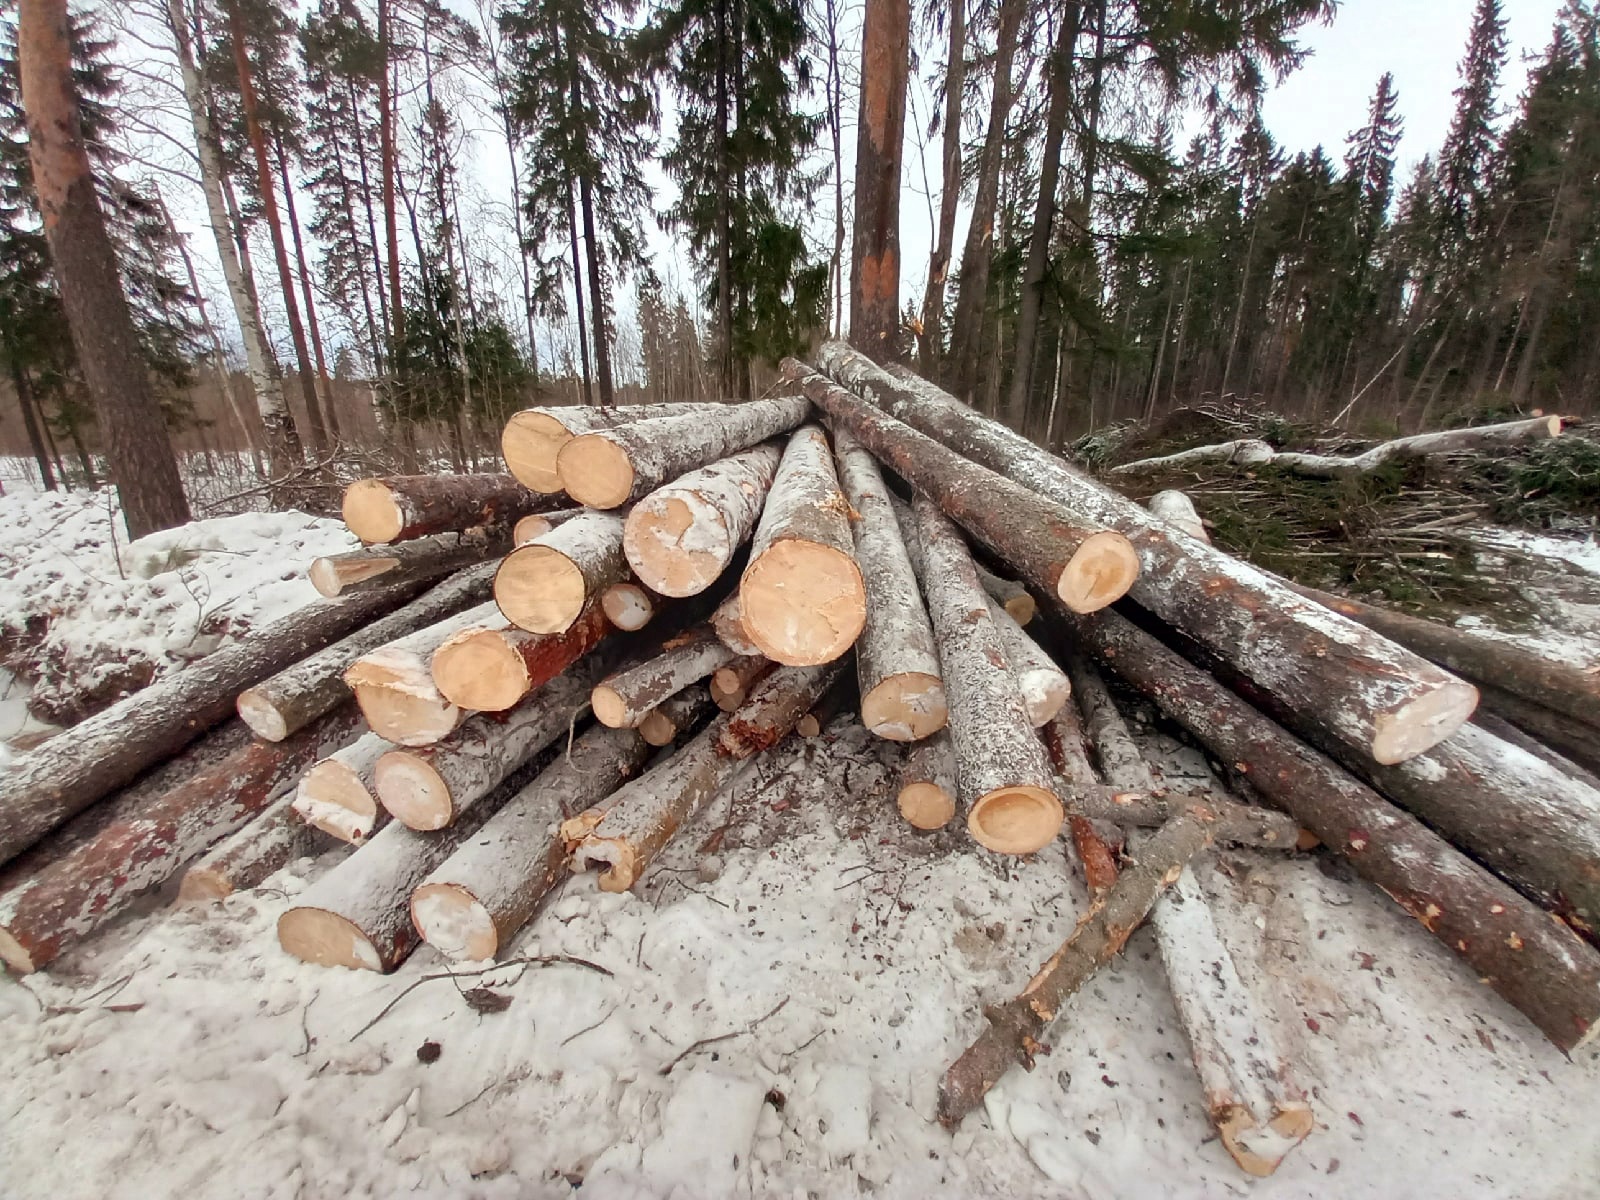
(490,668)
(1084,564)
(73,896)
(928,786)
(533,437)
(626,698)
(544,586)
(606,469)
(395,688)
(336,794)
(241,861)
(418,560)
(1381,700)
(399,507)
(897,661)
(681,537)
(276,707)
(1006,784)
(1538,965)
(627,606)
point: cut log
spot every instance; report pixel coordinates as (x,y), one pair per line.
(928,783)
(1013,597)
(1258,1109)
(728,621)
(897,662)
(1379,698)
(1240,452)
(1043,685)
(241,861)
(395,688)
(732,683)
(840,697)
(1539,966)
(1177,510)
(609,468)
(336,794)
(1064,741)
(543,587)
(1581,759)
(627,606)
(67,774)
(490,667)
(681,537)
(536,525)
(422,559)
(622,835)
(278,706)
(432,787)
(626,698)
(533,437)
(99,878)
(1084,564)
(670,720)
(1006,786)
(399,507)
(1570,737)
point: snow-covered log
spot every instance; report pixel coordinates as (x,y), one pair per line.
(1379,698)
(536,525)
(622,700)
(1177,510)
(628,606)
(1043,685)
(490,667)
(399,507)
(420,559)
(243,859)
(533,437)
(928,783)
(728,621)
(543,586)
(1569,737)
(336,794)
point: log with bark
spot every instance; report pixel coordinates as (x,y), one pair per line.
(1379,698)
(1042,684)
(1568,737)
(627,606)
(802,600)
(243,859)
(928,783)
(146,845)
(728,621)
(276,707)
(1006,786)
(395,688)
(536,525)
(533,437)
(624,699)
(421,559)
(336,794)
(730,684)
(544,586)
(897,662)
(1065,743)
(1538,965)
(680,538)
(840,697)
(396,508)
(670,720)
(610,468)
(65,775)
(1013,597)
(1084,564)
(490,667)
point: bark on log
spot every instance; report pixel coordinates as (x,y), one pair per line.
(609,468)
(395,688)
(241,861)
(669,720)
(72,897)
(1043,685)
(1567,744)
(681,537)
(1538,965)
(1381,699)
(928,783)
(840,697)
(336,794)
(1063,738)
(1013,597)
(544,586)
(536,525)
(422,559)
(627,606)
(624,699)
(732,683)
(278,706)
(398,507)
(533,437)
(490,668)
(1006,786)
(802,600)
(1084,564)
(1177,510)
(728,621)
(68,773)
(897,662)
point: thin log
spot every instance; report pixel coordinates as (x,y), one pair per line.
(1043,685)
(732,683)
(533,437)
(671,719)
(1013,597)
(1381,699)
(1571,738)
(624,699)
(728,621)
(536,525)
(929,783)
(395,688)
(627,606)
(241,861)
(420,559)
(490,667)
(336,794)
(396,508)
(545,585)
(1064,741)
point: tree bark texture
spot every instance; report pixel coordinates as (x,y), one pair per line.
(533,437)
(399,507)
(623,699)
(414,561)
(246,857)
(880,135)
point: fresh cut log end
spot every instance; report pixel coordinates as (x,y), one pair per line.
(1016,819)
(405,717)
(449,918)
(675,549)
(530,443)
(201,885)
(1423,723)
(330,576)
(333,798)
(326,939)
(610,708)
(1258,1149)
(627,606)
(906,707)
(534,525)
(540,589)
(926,805)
(413,792)
(595,471)
(371,511)
(803,603)
(616,860)
(262,716)
(1099,573)
(480,670)
(14,955)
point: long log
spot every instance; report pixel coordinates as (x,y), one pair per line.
(533,437)
(421,559)
(276,707)
(1573,743)
(1082,563)
(491,667)
(928,783)
(243,859)
(681,537)
(336,794)
(1006,786)
(802,600)
(609,468)
(1538,965)
(625,698)
(1013,597)
(545,585)
(1065,742)
(897,662)
(79,892)
(70,772)
(396,508)
(1381,699)
(394,685)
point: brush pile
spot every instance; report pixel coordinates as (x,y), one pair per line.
(555,670)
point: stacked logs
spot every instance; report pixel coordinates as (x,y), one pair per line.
(552,671)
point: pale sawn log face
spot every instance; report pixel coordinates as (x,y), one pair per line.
(532,439)
(544,586)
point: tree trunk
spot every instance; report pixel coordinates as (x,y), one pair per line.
(419,559)
(577,293)
(533,437)
(624,699)
(30,421)
(396,508)
(545,586)
(486,667)
(880,134)
(730,685)
(386,155)
(674,716)
(725,170)
(1042,685)
(143,465)
(241,861)
(1011,595)
(930,340)
(1067,746)
(324,388)
(336,794)
(597,292)
(1566,735)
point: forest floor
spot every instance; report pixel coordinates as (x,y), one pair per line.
(777,1002)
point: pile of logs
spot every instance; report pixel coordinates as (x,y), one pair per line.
(552,671)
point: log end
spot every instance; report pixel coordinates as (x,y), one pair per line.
(262,716)
(674,549)
(15,956)
(534,525)
(1022,607)
(539,589)
(414,793)
(451,920)
(530,443)
(595,471)
(371,511)
(1553,426)
(658,729)
(1423,723)
(1044,694)
(926,805)
(326,939)
(615,859)
(610,709)
(1016,820)
(333,798)
(480,671)
(402,716)
(201,885)
(324,576)
(627,606)
(906,707)
(803,603)
(1099,573)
